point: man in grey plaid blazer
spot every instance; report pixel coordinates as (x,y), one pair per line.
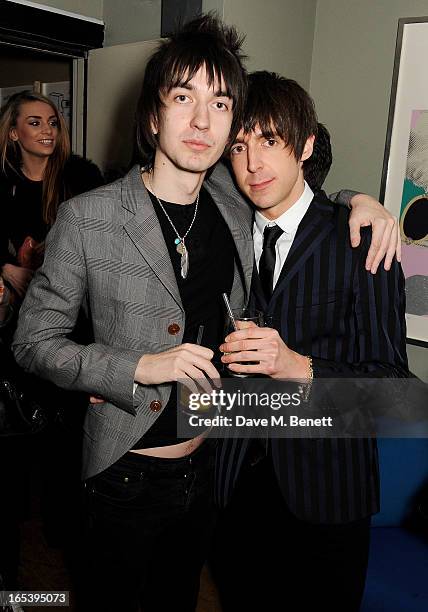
(114,252)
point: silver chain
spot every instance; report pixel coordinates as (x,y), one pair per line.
(181,238)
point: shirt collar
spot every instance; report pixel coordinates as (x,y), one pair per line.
(290,220)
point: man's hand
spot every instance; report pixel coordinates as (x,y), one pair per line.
(266,346)
(186,363)
(386,240)
(18,277)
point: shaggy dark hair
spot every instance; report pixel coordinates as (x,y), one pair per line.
(280,106)
(204,42)
(316,167)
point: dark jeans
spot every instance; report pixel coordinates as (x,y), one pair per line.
(15,459)
(150,526)
(265,558)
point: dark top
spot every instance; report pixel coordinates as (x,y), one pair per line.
(21,203)
(21,216)
(211,267)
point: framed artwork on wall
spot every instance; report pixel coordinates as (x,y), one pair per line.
(404,187)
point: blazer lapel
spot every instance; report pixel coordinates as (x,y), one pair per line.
(237,214)
(145,232)
(314,227)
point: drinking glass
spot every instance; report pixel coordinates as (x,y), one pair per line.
(243,317)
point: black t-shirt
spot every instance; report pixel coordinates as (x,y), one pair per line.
(211,267)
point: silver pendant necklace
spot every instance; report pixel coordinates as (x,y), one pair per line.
(179,241)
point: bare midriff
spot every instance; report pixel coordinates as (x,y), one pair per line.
(173,451)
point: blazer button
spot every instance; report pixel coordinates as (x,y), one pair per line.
(173,329)
(155,405)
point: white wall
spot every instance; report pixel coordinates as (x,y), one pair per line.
(213,5)
(352,63)
(279,34)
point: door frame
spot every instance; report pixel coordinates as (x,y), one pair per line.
(55,32)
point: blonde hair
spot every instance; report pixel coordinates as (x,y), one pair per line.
(54,190)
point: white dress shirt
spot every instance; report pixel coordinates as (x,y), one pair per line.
(289,221)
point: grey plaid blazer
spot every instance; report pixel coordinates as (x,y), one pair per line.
(106,252)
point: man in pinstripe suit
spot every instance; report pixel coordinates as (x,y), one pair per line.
(149,257)
(306,503)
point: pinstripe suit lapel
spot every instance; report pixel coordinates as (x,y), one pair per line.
(314,227)
(145,232)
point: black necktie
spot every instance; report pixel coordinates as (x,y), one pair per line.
(267,260)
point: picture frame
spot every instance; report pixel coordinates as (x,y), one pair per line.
(404,185)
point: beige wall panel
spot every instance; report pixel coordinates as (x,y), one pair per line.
(114,83)
(89,8)
(131,21)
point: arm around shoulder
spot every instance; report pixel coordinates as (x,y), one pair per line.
(379,317)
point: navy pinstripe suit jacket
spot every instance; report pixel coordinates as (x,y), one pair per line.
(352,323)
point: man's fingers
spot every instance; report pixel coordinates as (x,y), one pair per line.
(245,324)
(376,241)
(201,361)
(354,228)
(398,247)
(388,230)
(189,384)
(197,367)
(96,399)
(392,246)
(256,344)
(199,379)
(206,366)
(240,368)
(251,332)
(242,356)
(196,349)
